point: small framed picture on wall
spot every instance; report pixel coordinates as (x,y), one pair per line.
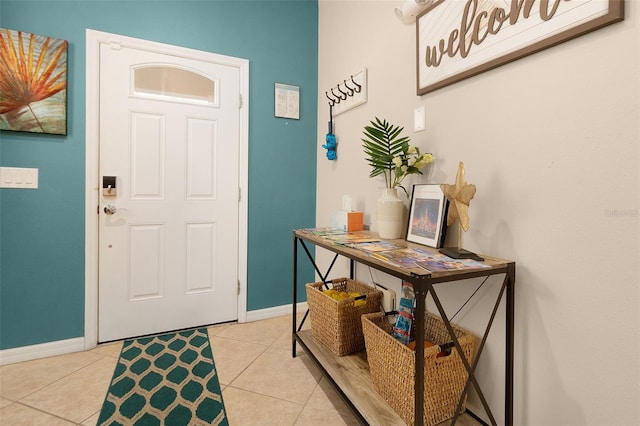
(287,101)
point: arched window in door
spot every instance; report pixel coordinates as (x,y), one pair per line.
(174,84)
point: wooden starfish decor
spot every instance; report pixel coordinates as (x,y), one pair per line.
(459,196)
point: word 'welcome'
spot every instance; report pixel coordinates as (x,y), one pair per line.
(476,26)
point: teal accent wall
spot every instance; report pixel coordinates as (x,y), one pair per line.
(42,231)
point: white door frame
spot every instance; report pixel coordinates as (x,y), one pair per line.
(93,40)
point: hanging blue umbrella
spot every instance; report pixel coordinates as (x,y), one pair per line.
(330,139)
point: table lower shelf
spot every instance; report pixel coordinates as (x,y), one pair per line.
(350,374)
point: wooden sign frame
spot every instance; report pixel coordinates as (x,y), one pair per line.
(458,39)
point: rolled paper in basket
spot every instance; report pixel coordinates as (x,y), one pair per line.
(412,345)
(444,349)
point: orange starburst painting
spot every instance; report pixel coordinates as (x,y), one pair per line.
(33,83)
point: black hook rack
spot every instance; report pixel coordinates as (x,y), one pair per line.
(358,87)
(349,88)
(336,98)
(349,94)
(332,101)
(342,95)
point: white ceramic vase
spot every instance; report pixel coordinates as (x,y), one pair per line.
(390,214)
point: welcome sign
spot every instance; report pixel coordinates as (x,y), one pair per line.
(457,39)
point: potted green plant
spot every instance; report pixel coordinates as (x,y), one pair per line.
(389,153)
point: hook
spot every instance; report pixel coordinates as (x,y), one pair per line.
(358,88)
(332,101)
(337,97)
(344,93)
(350,89)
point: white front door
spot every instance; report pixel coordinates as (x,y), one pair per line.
(168,232)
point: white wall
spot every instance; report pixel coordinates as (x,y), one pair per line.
(552,143)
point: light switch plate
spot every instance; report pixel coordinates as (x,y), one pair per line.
(419,119)
(18,177)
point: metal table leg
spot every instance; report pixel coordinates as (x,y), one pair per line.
(507,282)
(323,277)
(295,296)
(421,297)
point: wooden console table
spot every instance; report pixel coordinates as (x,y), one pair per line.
(350,374)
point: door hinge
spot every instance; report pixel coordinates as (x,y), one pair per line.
(239,194)
(98,209)
(238,287)
(240,103)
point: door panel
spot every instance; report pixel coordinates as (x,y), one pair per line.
(201,158)
(146,261)
(168,256)
(147,155)
(201,257)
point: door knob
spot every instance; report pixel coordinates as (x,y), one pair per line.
(110,209)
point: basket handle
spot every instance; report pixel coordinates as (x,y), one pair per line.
(326,282)
(445,349)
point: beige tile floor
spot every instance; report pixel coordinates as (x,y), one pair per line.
(262,384)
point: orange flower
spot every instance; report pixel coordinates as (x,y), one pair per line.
(25,79)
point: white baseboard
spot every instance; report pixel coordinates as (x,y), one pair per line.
(42,350)
(61,347)
(276,311)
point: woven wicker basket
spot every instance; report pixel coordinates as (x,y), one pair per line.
(337,323)
(392,368)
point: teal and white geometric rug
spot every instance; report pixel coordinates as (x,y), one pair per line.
(165,380)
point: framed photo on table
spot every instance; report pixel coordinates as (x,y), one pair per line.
(427,215)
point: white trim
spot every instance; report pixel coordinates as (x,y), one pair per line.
(41,350)
(276,311)
(93,41)
(92,95)
(243,182)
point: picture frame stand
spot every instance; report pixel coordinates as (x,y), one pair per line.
(458,252)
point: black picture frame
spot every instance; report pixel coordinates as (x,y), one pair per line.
(427,215)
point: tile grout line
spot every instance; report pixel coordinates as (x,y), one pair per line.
(40,410)
(244,369)
(268,396)
(52,382)
(25,404)
(308,399)
(243,341)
